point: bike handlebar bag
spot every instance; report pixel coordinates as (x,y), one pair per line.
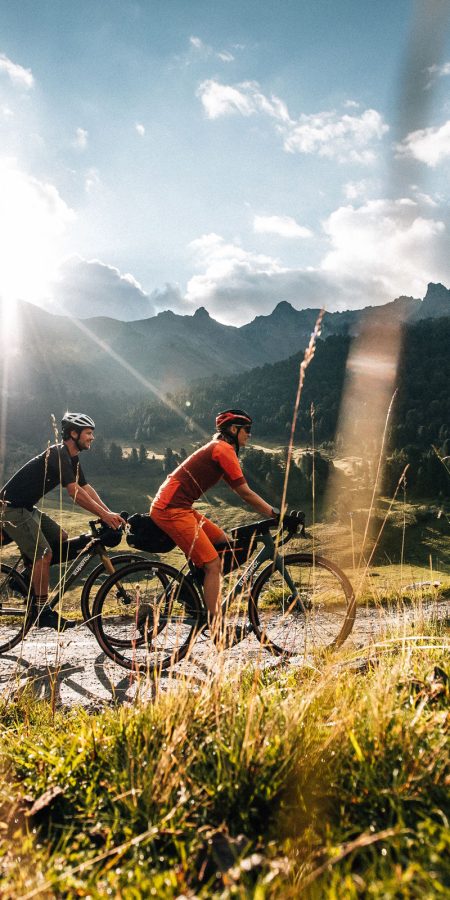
(110,537)
(146,535)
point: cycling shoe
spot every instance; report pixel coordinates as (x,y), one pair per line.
(48,618)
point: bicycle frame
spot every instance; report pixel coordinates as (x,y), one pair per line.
(268,553)
(78,565)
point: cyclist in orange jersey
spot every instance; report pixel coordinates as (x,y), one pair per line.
(172,507)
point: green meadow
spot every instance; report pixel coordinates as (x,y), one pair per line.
(329,779)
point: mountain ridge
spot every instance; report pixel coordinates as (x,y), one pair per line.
(56,363)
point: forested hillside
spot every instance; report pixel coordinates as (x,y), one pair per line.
(268,392)
(106,365)
(420,418)
(421,412)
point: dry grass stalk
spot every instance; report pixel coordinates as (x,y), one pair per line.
(308,357)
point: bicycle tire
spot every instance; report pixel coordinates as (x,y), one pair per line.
(124,559)
(319,617)
(157,625)
(15,608)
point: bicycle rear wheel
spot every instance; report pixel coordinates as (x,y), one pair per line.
(146,616)
(318,615)
(15,609)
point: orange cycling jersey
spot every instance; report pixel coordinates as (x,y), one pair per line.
(197,474)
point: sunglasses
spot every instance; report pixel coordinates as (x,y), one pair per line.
(247,428)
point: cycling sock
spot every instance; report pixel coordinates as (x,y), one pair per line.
(41,599)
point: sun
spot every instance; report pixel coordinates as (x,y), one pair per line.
(33,217)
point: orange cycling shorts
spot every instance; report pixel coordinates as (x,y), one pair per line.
(194,534)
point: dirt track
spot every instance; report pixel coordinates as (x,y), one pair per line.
(72,670)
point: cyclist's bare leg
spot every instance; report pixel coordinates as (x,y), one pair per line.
(41,575)
(41,571)
(212,587)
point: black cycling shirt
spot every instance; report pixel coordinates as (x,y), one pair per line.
(41,474)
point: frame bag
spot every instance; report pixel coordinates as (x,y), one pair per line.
(146,535)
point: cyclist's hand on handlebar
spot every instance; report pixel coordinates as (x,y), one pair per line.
(293,521)
(114,520)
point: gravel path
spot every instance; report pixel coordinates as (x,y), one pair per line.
(72,670)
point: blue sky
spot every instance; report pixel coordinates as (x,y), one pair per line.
(177,154)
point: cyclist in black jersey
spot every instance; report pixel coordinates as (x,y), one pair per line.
(34,531)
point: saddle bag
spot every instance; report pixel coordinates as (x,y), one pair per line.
(146,535)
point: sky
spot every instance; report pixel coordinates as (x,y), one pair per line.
(172,154)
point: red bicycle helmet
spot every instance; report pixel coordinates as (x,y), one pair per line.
(232,417)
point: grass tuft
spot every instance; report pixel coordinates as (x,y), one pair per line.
(325,781)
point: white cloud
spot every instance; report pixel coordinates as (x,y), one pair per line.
(373,253)
(33,217)
(354,189)
(205,50)
(285,226)
(17,74)
(351,103)
(81,139)
(428,145)
(92,180)
(344,137)
(422,197)
(86,288)
(384,249)
(437,72)
(226,267)
(221,100)
(140,128)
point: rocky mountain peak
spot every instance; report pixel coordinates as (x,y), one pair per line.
(202,313)
(437,293)
(283,309)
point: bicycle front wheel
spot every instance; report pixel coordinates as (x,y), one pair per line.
(146,616)
(317,614)
(15,609)
(96,578)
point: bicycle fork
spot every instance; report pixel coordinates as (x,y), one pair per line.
(111,571)
(269,552)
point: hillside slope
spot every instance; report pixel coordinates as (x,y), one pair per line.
(110,366)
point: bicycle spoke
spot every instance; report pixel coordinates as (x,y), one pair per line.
(145,618)
(14,609)
(317,613)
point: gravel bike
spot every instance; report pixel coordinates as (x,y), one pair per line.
(147,616)
(16,592)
